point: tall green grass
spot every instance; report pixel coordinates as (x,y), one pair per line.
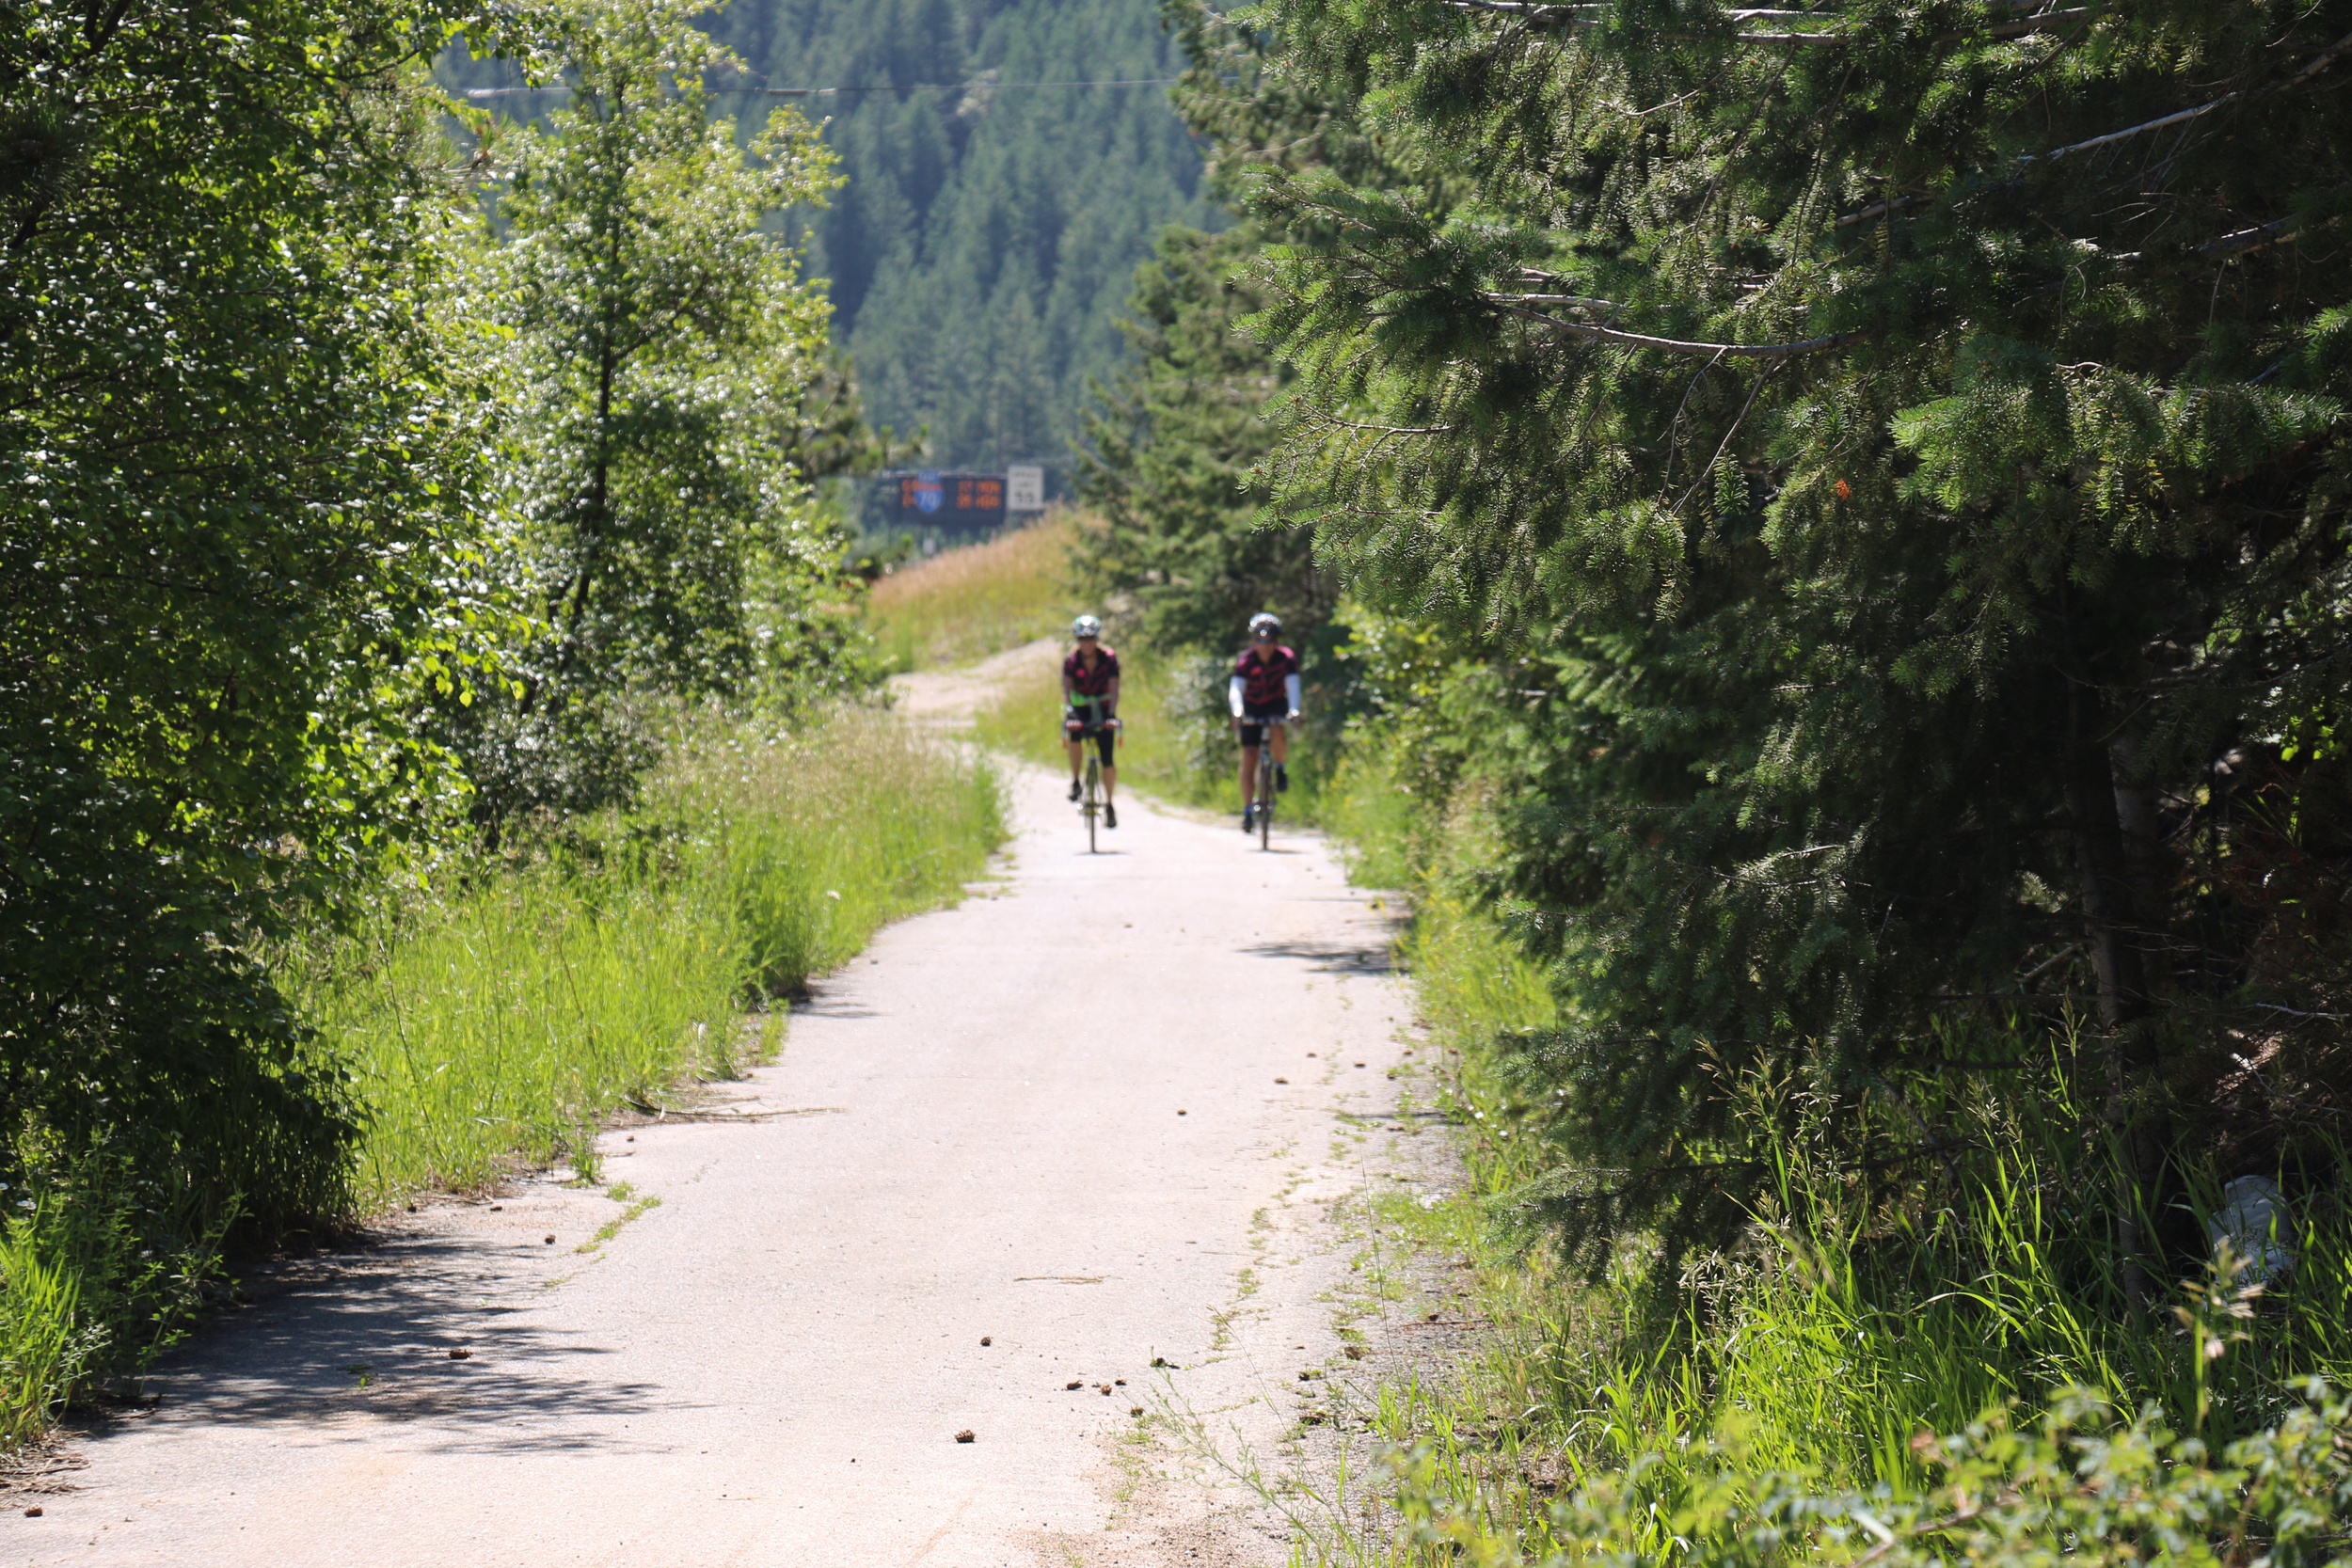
(1856,1314)
(498,1018)
(91,1289)
(965,604)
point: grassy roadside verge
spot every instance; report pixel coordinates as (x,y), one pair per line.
(1823,1392)
(490,1020)
(501,1018)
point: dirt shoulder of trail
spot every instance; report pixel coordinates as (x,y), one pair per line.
(950,698)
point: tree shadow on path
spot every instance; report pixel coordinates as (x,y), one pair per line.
(362,1338)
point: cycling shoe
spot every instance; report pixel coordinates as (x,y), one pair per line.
(1110,815)
(1282,777)
(1074,789)
(1248,817)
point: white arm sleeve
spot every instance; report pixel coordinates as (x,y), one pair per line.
(1232,696)
(1290,690)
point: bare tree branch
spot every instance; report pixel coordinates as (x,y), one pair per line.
(1510,305)
(1566,16)
(2311,67)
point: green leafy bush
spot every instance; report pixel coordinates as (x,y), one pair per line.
(91,1288)
(2086,1483)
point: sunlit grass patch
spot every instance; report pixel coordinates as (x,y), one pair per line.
(497,1020)
(1817,1350)
(965,604)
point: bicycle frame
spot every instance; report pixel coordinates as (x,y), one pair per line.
(1092,800)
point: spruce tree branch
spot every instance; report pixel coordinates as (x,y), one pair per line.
(1583,301)
(1508,305)
(1893,204)
(1395,429)
(1674,426)
(2162,687)
(2310,69)
(2176,118)
(2049,963)
(1721,448)
(2245,240)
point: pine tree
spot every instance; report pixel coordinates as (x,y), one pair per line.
(1173,446)
(1911,436)
(1178,431)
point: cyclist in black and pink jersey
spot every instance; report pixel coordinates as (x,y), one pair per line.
(1264,690)
(1090,694)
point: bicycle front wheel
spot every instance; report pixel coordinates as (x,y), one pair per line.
(1094,803)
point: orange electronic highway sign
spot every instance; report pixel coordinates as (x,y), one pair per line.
(950,502)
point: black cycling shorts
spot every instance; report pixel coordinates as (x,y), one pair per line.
(1254,721)
(1073,728)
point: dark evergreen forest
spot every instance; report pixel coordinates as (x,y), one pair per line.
(1822,541)
(980,255)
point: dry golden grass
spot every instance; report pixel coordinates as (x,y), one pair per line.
(970,603)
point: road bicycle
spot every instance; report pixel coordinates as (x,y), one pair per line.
(1091,801)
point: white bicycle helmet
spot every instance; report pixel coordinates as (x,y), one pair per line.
(1265,621)
(1086,626)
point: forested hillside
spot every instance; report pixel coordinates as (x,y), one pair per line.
(981,251)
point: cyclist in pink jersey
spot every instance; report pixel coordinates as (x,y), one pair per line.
(1264,692)
(1090,694)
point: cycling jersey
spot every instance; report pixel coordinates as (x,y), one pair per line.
(1267,676)
(1096,682)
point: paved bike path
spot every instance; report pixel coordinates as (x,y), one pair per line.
(1049,1117)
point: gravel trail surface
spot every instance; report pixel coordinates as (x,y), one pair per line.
(1040,1139)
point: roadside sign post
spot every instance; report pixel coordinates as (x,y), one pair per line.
(1024,487)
